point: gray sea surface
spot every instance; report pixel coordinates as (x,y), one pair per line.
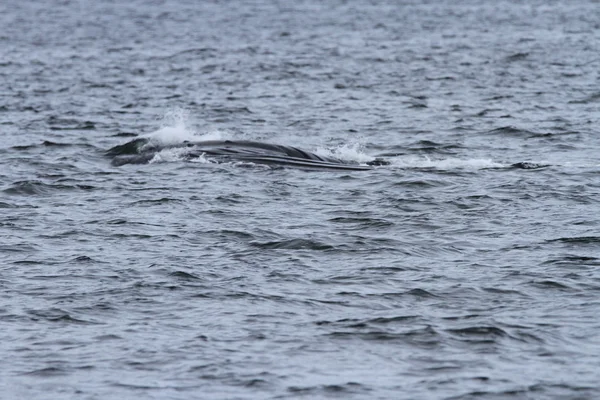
(468,268)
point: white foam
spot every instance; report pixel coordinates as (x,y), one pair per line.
(354,152)
(446,163)
(201,159)
(170,155)
(346,152)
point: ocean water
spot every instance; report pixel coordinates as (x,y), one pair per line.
(468,268)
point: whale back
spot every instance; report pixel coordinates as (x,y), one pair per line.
(142,150)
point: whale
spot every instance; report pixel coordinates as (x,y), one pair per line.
(143,150)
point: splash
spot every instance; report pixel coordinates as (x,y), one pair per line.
(175,129)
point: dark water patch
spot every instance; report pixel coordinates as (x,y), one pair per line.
(557,136)
(505,292)
(540,390)
(362,222)
(18,248)
(394,320)
(390,154)
(526,336)
(416,104)
(258,381)
(233,198)
(24,147)
(516,57)
(155,202)
(548,284)
(30,262)
(479,334)
(49,372)
(294,244)
(194,53)
(593,98)
(577,240)
(57,316)
(461,317)
(441,78)
(138,387)
(117,221)
(84,260)
(253,383)
(340,280)
(130,236)
(423,337)
(376,336)
(431,147)
(231,110)
(108,337)
(46,143)
(39,188)
(386,270)
(58,123)
(230,234)
(573,244)
(420,293)
(511,131)
(412,293)
(346,389)
(97,85)
(362,323)
(125,134)
(565,147)
(499,97)
(359,244)
(528,165)
(184,276)
(255,297)
(573,261)
(473,202)
(422,183)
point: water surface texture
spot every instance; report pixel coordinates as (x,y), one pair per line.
(468,268)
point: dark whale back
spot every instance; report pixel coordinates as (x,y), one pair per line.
(141,151)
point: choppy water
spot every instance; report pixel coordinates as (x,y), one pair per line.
(451,273)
